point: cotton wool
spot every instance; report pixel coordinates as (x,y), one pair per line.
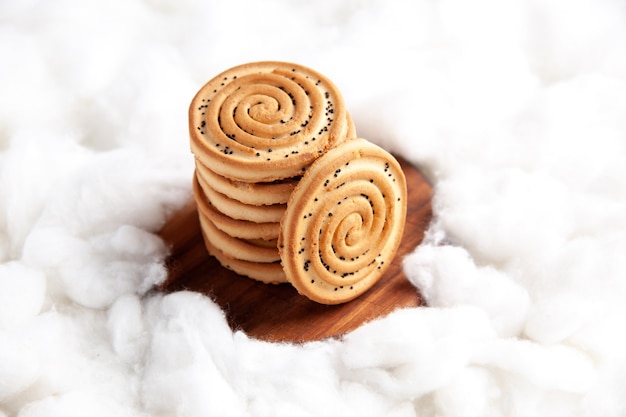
(22,292)
(19,365)
(447,277)
(513,110)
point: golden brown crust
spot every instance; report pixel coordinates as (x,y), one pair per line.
(351,129)
(281,175)
(240,211)
(265,121)
(269,273)
(242,249)
(236,228)
(257,194)
(344,222)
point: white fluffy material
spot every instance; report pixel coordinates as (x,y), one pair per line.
(515,110)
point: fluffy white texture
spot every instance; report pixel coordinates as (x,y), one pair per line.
(22,292)
(19,365)
(447,277)
(181,343)
(513,109)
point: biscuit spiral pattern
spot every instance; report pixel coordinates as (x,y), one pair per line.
(344,222)
(266,121)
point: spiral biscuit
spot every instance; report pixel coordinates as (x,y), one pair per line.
(351,132)
(267,272)
(247,250)
(240,211)
(236,228)
(344,222)
(256,194)
(264,121)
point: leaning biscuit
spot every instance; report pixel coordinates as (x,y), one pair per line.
(265,121)
(344,222)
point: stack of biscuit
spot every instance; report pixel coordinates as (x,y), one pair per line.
(255,129)
(285,192)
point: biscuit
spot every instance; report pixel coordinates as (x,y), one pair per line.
(257,194)
(286,192)
(240,211)
(246,250)
(351,132)
(236,228)
(344,222)
(269,273)
(264,121)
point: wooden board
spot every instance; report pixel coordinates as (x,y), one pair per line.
(277,312)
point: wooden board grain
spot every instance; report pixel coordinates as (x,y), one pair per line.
(277,312)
